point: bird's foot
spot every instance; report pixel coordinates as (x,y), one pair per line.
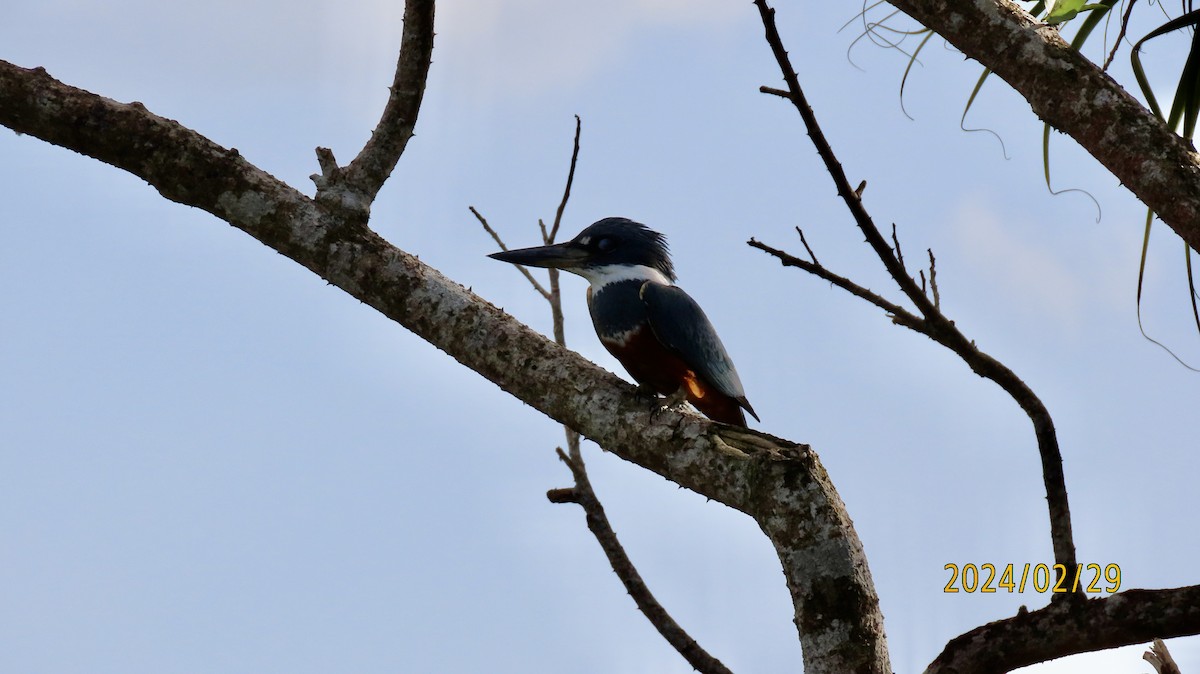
(677,398)
(669,402)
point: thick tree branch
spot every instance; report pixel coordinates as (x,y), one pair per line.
(1076,97)
(779,483)
(1067,628)
(933,323)
(182,165)
(354,187)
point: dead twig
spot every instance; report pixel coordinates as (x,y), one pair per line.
(598,524)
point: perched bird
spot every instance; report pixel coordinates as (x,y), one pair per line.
(656,330)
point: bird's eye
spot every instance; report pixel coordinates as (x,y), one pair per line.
(605,244)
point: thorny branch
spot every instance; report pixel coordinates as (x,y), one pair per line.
(898,314)
(937,297)
(896,243)
(1064,627)
(1120,34)
(352,189)
(811,255)
(582,493)
(931,321)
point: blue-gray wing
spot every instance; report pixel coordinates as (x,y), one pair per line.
(680,324)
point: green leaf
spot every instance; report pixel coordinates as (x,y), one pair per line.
(1065,10)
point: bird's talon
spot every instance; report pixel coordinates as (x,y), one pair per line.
(675,399)
(671,402)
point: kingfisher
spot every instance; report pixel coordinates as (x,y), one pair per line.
(656,330)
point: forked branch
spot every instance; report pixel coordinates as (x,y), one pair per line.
(928,320)
(582,493)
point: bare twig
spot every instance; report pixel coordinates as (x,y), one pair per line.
(898,313)
(937,298)
(562,205)
(811,254)
(933,323)
(500,242)
(555,298)
(796,95)
(896,246)
(597,522)
(555,292)
(1120,34)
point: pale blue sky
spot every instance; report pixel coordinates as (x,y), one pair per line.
(211,461)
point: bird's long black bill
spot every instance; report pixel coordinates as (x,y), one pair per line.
(559,256)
